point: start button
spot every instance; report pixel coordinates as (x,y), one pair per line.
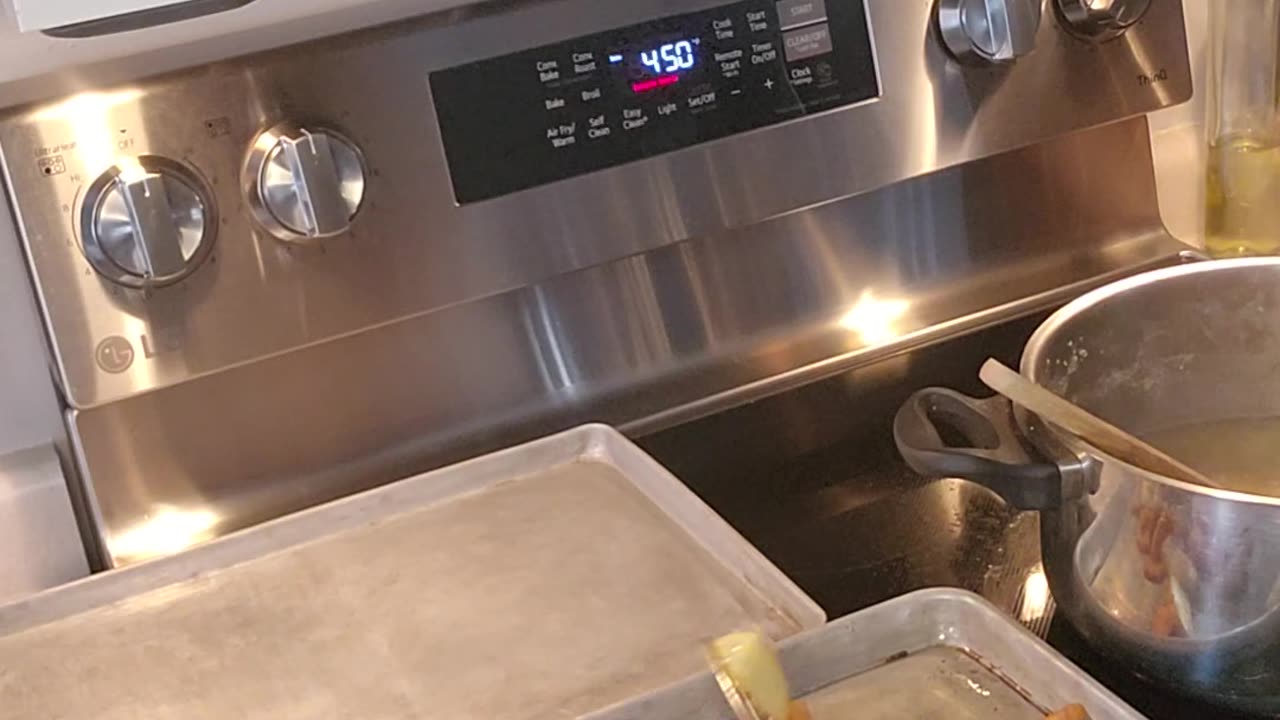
(794,13)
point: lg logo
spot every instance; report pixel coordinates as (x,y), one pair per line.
(115,355)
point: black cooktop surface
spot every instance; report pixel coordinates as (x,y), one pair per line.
(812,479)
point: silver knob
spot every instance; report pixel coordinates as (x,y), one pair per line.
(995,31)
(1102,19)
(304,183)
(147,223)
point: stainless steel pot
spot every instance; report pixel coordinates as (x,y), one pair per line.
(1181,582)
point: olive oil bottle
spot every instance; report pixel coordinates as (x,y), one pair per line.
(1242,213)
(1242,193)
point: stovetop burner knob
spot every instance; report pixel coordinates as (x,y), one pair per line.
(147,222)
(305,183)
(1102,19)
(989,31)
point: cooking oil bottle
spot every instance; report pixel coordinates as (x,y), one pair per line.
(1242,194)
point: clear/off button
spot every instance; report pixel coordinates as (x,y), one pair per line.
(807,42)
(794,13)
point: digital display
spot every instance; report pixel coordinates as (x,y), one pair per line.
(671,57)
(653,66)
(620,95)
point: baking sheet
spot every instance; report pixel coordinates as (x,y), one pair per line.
(931,654)
(544,581)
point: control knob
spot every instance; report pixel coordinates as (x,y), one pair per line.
(1102,19)
(993,31)
(304,183)
(147,222)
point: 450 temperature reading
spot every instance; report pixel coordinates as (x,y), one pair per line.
(671,57)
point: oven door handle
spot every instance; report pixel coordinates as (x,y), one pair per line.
(991,454)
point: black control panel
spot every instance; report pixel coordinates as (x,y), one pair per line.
(534,117)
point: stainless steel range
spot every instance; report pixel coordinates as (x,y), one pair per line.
(288,277)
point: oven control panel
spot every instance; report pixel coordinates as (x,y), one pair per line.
(534,117)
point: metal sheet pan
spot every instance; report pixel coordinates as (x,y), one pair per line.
(930,654)
(548,580)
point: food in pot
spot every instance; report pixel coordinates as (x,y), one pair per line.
(1155,527)
(1239,453)
(1070,712)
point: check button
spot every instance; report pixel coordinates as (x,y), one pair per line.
(794,13)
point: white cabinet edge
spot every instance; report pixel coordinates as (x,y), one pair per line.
(34,66)
(43,14)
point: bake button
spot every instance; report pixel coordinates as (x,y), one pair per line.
(807,42)
(553,103)
(794,13)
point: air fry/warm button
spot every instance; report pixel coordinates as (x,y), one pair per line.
(807,42)
(794,13)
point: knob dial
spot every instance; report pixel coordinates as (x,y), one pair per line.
(147,222)
(989,31)
(304,183)
(1102,19)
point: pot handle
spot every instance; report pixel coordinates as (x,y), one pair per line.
(994,457)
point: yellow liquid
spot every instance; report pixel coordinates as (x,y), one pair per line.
(1243,198)
(1239,454)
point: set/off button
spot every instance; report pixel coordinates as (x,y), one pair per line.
(794,13)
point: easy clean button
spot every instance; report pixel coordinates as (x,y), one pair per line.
(807,42)
(794,13)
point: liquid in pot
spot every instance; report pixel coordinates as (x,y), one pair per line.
(1240,454)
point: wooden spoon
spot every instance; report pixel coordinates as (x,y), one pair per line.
(1090,428)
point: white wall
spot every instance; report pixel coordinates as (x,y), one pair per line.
(40,545)
(1177,137)
(28,406)
(33,65)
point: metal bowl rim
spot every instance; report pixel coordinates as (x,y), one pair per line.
(1089,302)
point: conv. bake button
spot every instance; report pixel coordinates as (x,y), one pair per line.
(794,13)
(807,42)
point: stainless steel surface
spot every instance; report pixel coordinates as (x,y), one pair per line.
(1180,581)
(1103,19)
(548,580)
(304,184)
(931,654)
(261,299)
(1200,339)
(169,13)
(646,342)
(993,31)
(644,295)
(147,223)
